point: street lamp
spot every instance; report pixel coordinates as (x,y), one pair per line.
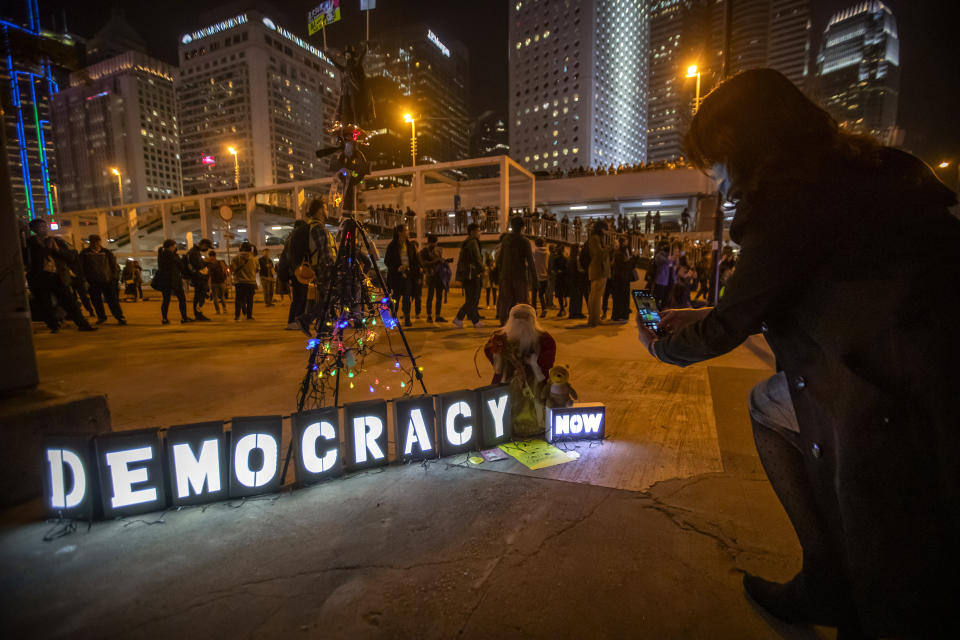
(236,166)
(413,136)
(945,164)
(116,172)
(692,71)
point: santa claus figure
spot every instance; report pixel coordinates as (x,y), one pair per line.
(521,354)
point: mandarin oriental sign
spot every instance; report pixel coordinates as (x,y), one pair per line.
(214,28)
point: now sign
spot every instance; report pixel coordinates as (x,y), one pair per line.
(582,421)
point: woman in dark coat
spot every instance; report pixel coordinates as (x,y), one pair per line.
(858,431)
(169,280)
(403,269)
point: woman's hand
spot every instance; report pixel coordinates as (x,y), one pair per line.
(673,320)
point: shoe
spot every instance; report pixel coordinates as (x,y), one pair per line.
(603,316)
(122,321)
(293,326)
(441,319)
(478,325)
(186,320)
(202,318)
(429,320)
(407,323)
(416,317)
(560,314)
(458,323)
(101,321)
(543,314)
(86,327)
(249,317)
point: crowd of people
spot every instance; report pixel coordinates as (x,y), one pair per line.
(612,170)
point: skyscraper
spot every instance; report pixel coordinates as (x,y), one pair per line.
(789,49)
(678,39)
(249,84)
(858,69)
(416,71)
(117,114)
(35,60)
(578,83)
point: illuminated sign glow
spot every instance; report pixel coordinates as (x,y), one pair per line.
(127,473)
(210,160)
(432,37)
(230,23)
(270,24)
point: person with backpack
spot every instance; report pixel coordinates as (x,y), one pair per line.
(431,258)
(101,270)
(48,261)
(470,273)
(199,277)
(169,280)
(218,281)
(244,268)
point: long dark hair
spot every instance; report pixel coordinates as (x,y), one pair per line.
(761,127)
(396,232)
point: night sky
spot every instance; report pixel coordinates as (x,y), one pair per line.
(929,47)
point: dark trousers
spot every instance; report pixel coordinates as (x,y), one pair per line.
(489,290)
(105,291)
(434,292)
(181,300)
(607,294)
(471,289)
(45,287)
(417,296)
(80,288)
(513,291)
(402,296)
(244,302)
(660,292)
(298,299)
(576,298)
(621,299)
(540,291)
(200,291)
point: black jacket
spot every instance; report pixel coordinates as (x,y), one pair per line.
(65,259)
(99,266)
(470,261)
(851,276)
(195,263)
(393,261)
(515,258)
(170,271)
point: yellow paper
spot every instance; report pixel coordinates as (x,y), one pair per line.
(535,454)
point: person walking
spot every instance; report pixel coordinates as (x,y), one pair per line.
(490,280)
(857,431)
(470,274)
(403,268)
(431,257)
(540,288)
(621,275)
(169,280)
(515,269)
(664,273)
(244,268)
(268,276)
(558,273)
(48,261)
(80,288)
(102,272)
(598,272)
(576,279)
(199,277)
(218,281)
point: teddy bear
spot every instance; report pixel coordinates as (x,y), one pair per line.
(556,390)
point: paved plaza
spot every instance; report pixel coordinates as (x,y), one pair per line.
(646,535)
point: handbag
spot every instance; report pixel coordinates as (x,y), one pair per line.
(304,273)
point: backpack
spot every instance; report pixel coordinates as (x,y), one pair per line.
(585,256)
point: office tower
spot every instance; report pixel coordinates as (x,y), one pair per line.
(490,136)
(119,114)
(678,39)
(117,36)
(858,69)
(415,71)
(789,48)
(35,63)
(247,83)
(578,83)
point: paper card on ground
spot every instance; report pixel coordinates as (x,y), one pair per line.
(535,454)
(492,455)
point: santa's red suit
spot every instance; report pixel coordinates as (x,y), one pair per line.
(497,351)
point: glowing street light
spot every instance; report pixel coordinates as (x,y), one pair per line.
(944,164)
(236,165)
(413,136)
(692,71)
(116,172)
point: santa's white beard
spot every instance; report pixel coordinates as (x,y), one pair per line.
(522,334)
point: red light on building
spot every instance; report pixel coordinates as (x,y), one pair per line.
(208,160)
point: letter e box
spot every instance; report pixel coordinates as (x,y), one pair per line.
(132,477)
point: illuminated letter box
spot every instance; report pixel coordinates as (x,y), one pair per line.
(365,426)
(198,466)
(255,455)
(457,422)
(582,421)
(69,477)
(317,444)
(496,425)
(415,421)
(131,472)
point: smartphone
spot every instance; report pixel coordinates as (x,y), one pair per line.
(649,313)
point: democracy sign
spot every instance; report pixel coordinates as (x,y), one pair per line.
(131,472)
